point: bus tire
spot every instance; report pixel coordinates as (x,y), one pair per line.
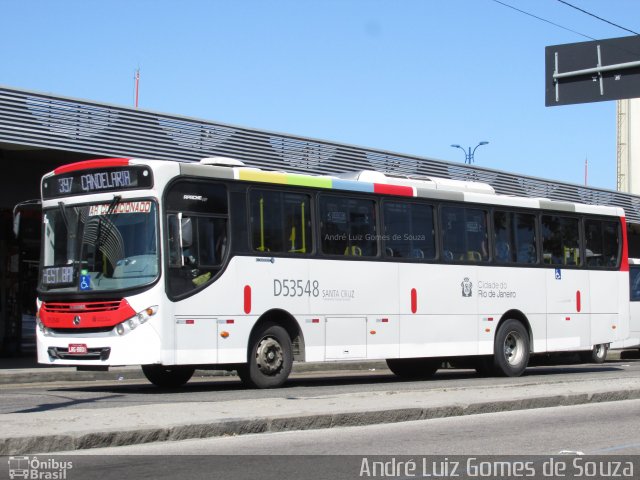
(168,376)
(598,354)
(270,358)
(414,368)
(511,349)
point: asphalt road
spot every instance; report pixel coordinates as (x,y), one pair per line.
(27,398)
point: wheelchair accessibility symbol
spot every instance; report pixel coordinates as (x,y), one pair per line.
(85,282)
(558,274)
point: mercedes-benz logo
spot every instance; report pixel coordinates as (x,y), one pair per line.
(76,320)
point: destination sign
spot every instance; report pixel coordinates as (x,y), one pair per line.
(126,207)
(58,276)
(95,181)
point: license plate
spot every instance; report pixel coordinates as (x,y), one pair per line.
(78,348)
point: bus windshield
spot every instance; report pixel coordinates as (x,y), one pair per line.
(99,247)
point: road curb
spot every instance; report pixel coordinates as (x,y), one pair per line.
(243,426)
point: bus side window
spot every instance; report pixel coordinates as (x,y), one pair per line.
(280,222)
(348,226)
(602,243)
(196,233)
(525,236)
(502,228)
(464,234)
(514,237)
(408,230)
(560,240)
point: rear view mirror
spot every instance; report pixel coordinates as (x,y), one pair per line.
(16,225)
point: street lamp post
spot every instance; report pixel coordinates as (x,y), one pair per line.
(468,156)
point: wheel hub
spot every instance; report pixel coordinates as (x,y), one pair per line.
(513,348)
(269,356)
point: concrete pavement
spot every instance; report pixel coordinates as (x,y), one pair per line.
(60,430)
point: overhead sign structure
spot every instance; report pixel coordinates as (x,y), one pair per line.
(594,71)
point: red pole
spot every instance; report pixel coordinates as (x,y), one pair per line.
(137,86)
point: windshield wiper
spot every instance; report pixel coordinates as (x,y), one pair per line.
(107,216)
(72,233)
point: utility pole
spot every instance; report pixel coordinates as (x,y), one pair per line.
(137,86)
(468,156)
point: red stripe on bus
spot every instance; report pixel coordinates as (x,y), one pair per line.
(85,314)
(624,264)
(393,189)
(89,164)
(578,303)
(414,300)
(247,299)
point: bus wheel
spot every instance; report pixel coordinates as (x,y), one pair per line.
(511,349)
(414,368)
(598,354)
(169,376)
(270,358)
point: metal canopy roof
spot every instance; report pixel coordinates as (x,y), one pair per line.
(59,123)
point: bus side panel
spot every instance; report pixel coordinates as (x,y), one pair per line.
(605,305)
(356,298)
(383,336)
(630,298)
(568,318)
(264,284)
(501,290)
(196,339)
(634,325)
(438,309)
(634,305)
(624,326)
(199,320)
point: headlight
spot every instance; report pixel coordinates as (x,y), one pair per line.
(138,319)
(44,330)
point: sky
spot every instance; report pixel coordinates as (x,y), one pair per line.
(407,76)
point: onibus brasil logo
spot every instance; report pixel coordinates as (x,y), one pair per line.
(34,468)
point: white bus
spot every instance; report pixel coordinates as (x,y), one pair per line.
(177,266)
(633,339)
